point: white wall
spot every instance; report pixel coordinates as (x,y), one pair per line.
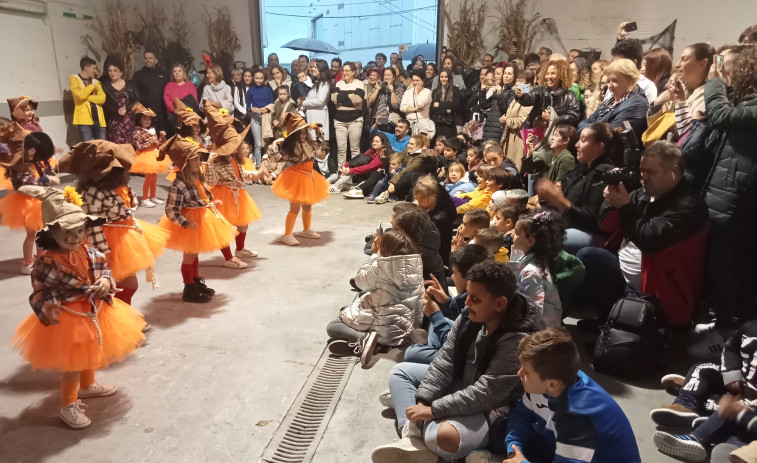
(594,23)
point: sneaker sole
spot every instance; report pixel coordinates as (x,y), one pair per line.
(370,347)
(689,450)
(386,400)
(340,349)
(98,394)
(75,425)
(672,419)
(672,383)
(398,455)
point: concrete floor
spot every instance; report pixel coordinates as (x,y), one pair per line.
(215,379)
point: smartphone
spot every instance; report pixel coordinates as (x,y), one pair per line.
(404,48)
(524,88)
(379,230)
(489,82)
(721,58)
(630,27)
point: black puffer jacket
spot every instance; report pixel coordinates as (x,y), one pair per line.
(493,107)
(583,188)
(443,216)
(564,101)
(731,187)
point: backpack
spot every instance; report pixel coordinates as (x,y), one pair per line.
(631,342)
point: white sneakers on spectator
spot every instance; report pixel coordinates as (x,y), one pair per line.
(73,415)
(147,203)
(409,449)
(483,456)
(386,399)
(382,198)
(702,328)
(710,345)
(354,193)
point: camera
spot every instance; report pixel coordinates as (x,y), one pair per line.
(626,175)
(382,84)
(629,142)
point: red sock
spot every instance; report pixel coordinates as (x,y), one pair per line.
(186,274)
(127,293)
(196,268)
(240,240)
(227,253)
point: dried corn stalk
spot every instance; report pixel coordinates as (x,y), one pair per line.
(222,37)
(518,22)
(465,33)
(177,48)
(154,25)
(116,36)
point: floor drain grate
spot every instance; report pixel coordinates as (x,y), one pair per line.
(303,426)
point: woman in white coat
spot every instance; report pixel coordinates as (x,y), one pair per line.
(416,104)
(315,104)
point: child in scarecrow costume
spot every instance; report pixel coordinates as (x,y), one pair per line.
(130,245)
(26,163)
(225,175)
(189,125)
(146,142)
(77,327)
(191,217)
(299,184)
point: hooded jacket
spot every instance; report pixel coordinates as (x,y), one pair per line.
(393,305)
(563,101)
(496,380)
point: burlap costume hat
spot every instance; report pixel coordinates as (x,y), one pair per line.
(226,139)
(16,106)
(94,160)
(140,109)
(180,150)
(186,115)
(61,208)
(19,140)
(293,123)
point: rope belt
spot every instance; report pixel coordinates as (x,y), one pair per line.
(91,315)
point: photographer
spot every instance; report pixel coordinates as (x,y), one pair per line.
(659,232)
(579,195)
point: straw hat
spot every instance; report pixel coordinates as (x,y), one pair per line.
(61,208)
(94,160)
(225,137)
(187,116)
(180,150)
(293,123)
(16,106)
(19,140)
(140,109)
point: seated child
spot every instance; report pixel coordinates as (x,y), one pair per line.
(456,176)
(392,306)
(441,309)
(474,159)
(415,223)
(283,105)
(518,198)
(439,146)
(496,179)
(733,380)
(498,201)
(473,221)
(564,416)
(504,220)
(494,155)
(537,241)
(395,167)
(451,153)
(493,239)
(444,409)
(272,166)
(326,164)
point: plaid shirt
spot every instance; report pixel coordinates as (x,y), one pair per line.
(54,283)
(36,173)
(109,205)
(141,139)
(182,195)
(218,172)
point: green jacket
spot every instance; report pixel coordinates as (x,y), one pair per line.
(561,165)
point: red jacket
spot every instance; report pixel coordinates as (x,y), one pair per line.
(375,164)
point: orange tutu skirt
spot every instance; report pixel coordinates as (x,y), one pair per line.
(147,163)
(300,184)
(213,232)
(73,344)
(20,211)
(132,251)
(5,182)
(238,214)
(249,165)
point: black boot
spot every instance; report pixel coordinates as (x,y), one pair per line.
(200,281)
(194,293)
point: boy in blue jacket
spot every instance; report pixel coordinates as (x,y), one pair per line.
(564,416)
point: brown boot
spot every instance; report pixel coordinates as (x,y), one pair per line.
(673,416)
(672,384)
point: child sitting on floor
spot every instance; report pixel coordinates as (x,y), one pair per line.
(473,160)
(496,179)
(493,239)
(473,221)
(390,309)
(380,195)
(456,176)
(439,146)
(537,241)
(518,198)
(504,220)
(441,309)
(325,163)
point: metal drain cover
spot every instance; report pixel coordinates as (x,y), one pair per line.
(299,433)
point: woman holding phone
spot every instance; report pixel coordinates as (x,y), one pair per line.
(554,93)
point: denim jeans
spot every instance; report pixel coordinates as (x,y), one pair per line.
(92,132)
(256,128)
(718,430)
(438,328)
(348,135)
(604,282)
(381,186)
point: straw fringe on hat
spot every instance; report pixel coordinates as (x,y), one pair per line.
(16,106)
(19,140)
(94,160)
(60,208)
(187,116)
(221,129)
(139,108)
(180,150)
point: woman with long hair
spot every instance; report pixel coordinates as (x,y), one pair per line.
(444,103)
(555,79)
(120,96)
(316,103)
(657,66)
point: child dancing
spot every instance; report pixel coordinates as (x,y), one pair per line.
(195,224)
(77,326)
(298,183)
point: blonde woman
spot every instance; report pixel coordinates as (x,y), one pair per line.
(217,89)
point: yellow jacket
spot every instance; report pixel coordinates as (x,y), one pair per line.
(83,97)
(479,199)
(502,255)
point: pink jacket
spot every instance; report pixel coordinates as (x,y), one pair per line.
(174,90)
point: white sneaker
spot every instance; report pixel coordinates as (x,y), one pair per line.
(97,390)
(235,262)
(386,399)
(708,346)
(702,328)
(483,456)
(367,348)
(290,240)
(73,415)
(147,203)
(354,193)
(157,201)
(409,449)
(309,234)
